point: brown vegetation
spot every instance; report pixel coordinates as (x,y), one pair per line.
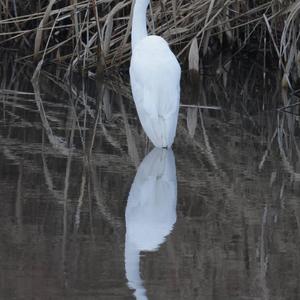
(82,33)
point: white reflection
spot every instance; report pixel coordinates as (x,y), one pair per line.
(150,212)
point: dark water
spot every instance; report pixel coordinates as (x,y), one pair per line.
(217,218)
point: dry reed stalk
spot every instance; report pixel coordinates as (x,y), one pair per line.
(194,56)
(56,141)
(39,34)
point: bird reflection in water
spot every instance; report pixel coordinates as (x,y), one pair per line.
(150,212)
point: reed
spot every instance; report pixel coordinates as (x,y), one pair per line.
(86,35)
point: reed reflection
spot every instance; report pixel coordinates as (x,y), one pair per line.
(150,212)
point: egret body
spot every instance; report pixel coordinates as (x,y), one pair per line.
(155,80)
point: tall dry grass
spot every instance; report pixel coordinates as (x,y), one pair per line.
(95,34)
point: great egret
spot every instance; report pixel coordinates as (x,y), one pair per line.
(150,212)
(155,80)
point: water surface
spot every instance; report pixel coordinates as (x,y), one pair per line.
(218,218)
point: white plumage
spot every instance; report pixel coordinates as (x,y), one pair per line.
(155,80)
(150,212)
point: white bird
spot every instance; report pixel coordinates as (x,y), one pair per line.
(155,80)
(150,212)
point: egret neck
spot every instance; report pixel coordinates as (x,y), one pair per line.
(139,21)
